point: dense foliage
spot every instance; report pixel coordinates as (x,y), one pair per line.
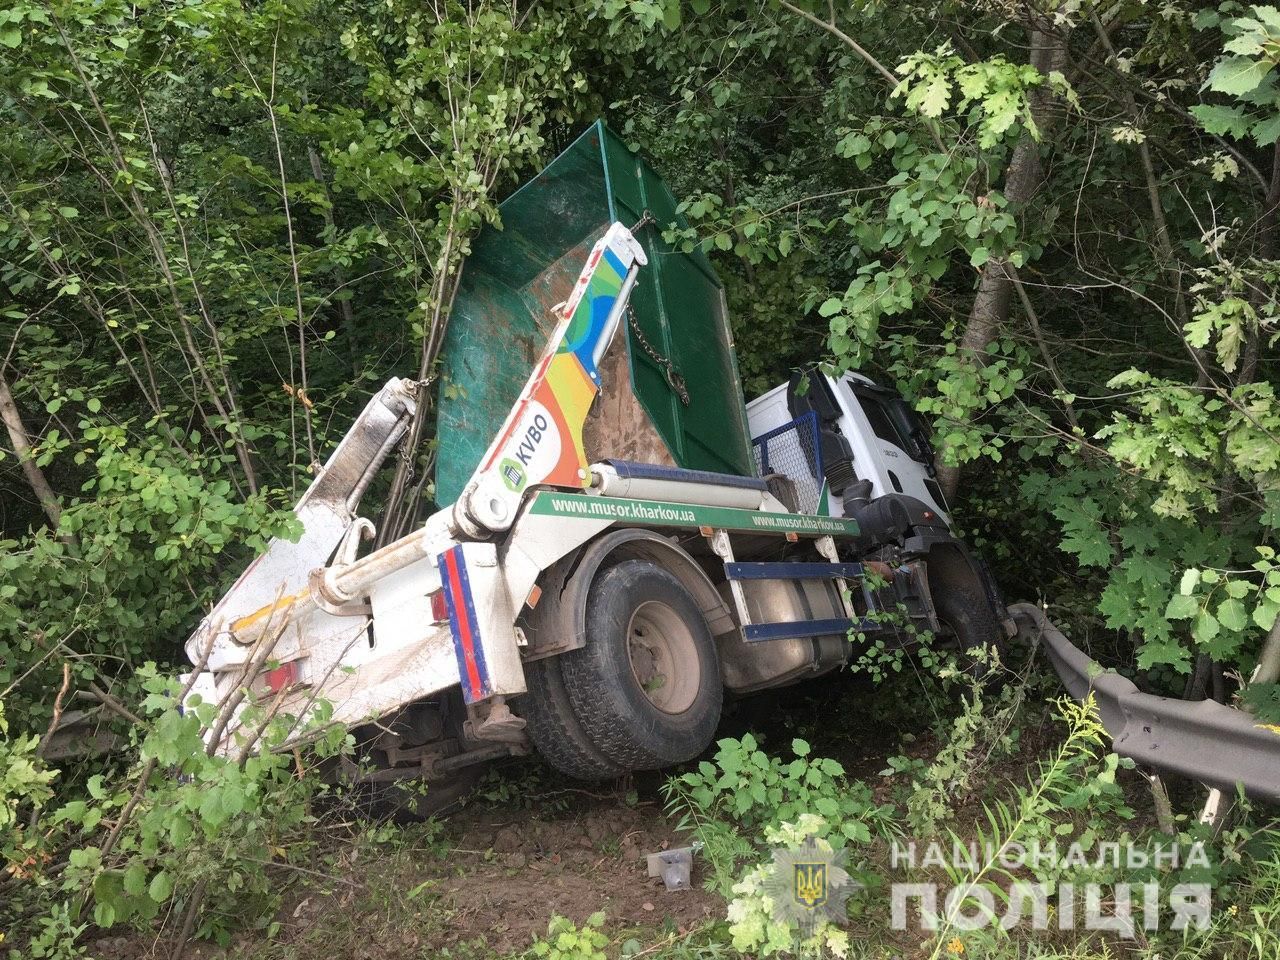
(1053,225)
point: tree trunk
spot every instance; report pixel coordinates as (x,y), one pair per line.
(991,303)
(19,437)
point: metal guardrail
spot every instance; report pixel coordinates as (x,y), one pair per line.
(1204,740)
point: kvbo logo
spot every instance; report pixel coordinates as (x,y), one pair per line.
(532,437)
(535,444)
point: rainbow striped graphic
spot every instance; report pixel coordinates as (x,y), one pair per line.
(542,439)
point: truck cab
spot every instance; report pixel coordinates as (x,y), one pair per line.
(858,440)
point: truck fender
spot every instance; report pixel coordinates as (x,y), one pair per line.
(556,624)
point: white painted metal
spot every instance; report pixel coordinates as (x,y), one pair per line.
(277,580)
(878,456)
(723,548)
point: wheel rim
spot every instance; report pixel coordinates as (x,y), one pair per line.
(664,657)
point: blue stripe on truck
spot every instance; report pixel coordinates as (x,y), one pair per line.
(472,669)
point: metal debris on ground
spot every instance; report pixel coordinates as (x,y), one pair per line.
(673,866)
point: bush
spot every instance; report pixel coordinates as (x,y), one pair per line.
(180,830)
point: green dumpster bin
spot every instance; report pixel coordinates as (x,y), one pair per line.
(504,314)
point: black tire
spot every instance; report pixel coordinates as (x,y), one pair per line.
(554,728)
(405,802)
(965,610)
(412,799)
(646,687)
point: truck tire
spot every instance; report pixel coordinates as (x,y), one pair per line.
(646,687)
(415,801)
(554,728)
(965,611)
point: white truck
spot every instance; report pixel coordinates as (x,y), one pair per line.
(593,592)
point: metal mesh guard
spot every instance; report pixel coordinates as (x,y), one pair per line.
(792,450)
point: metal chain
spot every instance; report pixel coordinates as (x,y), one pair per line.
(674,380)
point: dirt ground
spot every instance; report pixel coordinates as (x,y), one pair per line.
(530,845)
(502,875)
(484,882)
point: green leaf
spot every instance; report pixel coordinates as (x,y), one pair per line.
(830,307)
(135,878)
(935,98)
(1269,17)
(160,888)
(1237,75)
(800,747)
(1190,579)
(54,405)
(232,800)
(1206,18)
(1264,700)
(1221,121)
(1266,132)
(1231,614)
(1174,654)
(1264,614)
(1205,626)
(979,256)
(10,37)
(94,404)
(1246,45)
(104,915)
(1182,607)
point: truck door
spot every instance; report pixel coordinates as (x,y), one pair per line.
(897,440)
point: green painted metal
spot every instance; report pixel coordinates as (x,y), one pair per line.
(654,513)
(516,275)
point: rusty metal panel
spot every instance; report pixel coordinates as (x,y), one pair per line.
(1203,740)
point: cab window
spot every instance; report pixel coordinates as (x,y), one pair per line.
(881,425)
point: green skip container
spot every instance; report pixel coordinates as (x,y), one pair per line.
(505,312)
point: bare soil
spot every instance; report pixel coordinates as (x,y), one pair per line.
(486,882)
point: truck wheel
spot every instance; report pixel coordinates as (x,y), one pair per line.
(554,728)
(414,801)
(966,613)
(646,687)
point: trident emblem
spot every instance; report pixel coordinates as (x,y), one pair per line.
(810,884)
